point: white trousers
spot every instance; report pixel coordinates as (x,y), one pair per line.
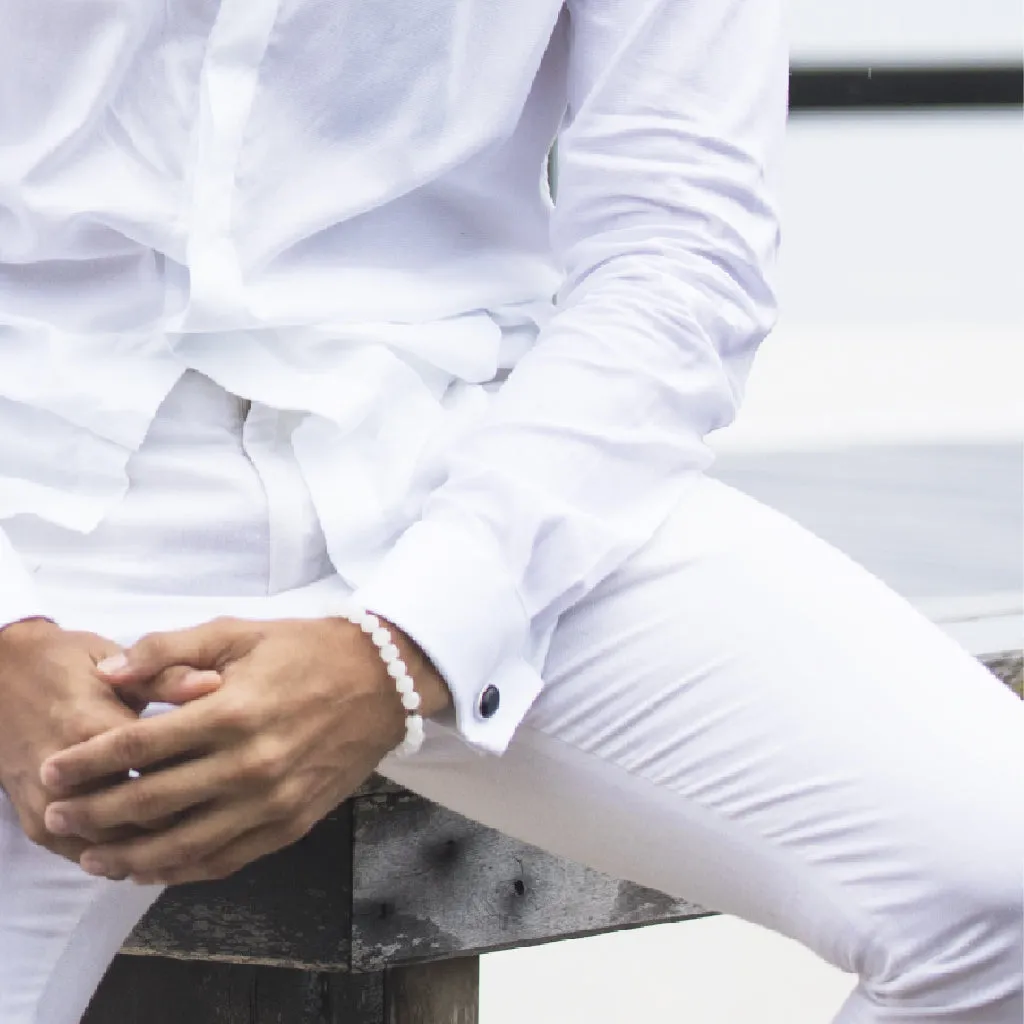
(740,716)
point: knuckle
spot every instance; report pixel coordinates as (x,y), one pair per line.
(236,716)
(282,803)
(263,764)
(80,725)
(150,648)
(185,851)
(142,804)
(272,757)
(130,747)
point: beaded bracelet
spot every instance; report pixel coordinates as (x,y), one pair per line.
(397,669)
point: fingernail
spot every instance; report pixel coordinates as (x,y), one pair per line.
(56,822)
(49,775)
(196,679)
(113,665)
(92,864)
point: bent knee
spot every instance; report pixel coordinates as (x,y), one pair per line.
(962,944)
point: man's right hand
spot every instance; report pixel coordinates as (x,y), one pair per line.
(50,698)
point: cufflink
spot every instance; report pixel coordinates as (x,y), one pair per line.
(489,701)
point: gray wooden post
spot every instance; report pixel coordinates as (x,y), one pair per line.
(444,992)
(158,990)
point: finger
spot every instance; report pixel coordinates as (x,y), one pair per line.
(188,730)
(209,646)
(69,847)
(144,801)
(178,685)
(196,838)
(230,858)
(99,647)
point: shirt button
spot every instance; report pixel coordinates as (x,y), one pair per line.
(489,701)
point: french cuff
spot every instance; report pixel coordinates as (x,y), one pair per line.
(451,593)
(19,596)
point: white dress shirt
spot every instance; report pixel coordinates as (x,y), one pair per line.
(339,209)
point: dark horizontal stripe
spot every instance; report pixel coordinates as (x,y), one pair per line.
(813,88)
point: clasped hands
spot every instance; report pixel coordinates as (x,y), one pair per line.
(276,723)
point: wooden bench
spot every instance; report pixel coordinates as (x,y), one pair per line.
(379,916)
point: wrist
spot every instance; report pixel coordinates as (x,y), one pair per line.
(430,684)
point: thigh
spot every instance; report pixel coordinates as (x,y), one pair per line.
(743,717)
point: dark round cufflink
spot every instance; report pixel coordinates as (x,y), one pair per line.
(489,701)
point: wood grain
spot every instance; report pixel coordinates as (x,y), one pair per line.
(153,990)
(429,884)
(1009,668)
(291,909)
(439,993)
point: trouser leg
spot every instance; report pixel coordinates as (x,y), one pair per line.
(59,928)
(743,717)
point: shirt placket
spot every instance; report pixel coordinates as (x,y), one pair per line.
(228,82)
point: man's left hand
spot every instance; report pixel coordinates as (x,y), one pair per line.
(304,713)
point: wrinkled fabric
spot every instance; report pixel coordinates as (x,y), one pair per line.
(339,210)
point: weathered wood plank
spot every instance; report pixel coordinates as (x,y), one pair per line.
(1009,668)
(291,909)
(154,990)
(446,992)
(430,884)
(377,784)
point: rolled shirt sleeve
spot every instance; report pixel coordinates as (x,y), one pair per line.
(667,231)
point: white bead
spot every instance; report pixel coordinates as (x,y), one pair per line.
(398,670)
(407,749)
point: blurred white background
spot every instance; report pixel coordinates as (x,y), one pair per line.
(902,322)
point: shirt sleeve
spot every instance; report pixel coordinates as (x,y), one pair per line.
(19,595)
(666,228)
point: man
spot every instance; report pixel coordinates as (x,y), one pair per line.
(265,267)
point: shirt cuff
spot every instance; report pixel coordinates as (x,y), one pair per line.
(19,596)
(448,589)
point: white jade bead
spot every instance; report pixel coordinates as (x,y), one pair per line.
(399,671)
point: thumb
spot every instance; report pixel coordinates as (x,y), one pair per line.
(178,685)
(209,646)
